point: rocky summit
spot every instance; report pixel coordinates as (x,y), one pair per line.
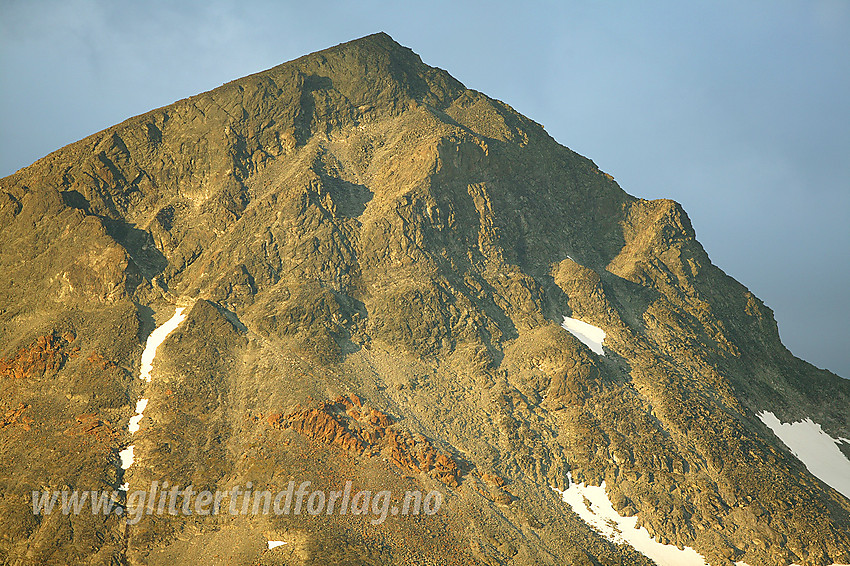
(394,283)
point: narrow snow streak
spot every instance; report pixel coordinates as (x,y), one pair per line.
(137,418)
(156,338)
(814,448)
(589,335)
(127,457)
(591,503)
(275,544)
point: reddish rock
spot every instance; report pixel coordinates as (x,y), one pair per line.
(16,417)
(318,424)
(492,480)
(46,354)
(276,420)
(91,425)
(342,423)
(379,419)
(100,362)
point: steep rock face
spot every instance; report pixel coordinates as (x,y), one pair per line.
(357,225)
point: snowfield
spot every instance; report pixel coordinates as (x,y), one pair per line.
(589,335)
(814,448)
(591,503)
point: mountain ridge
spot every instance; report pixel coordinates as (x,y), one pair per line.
(359,218)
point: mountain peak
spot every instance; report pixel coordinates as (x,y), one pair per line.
(389,280)
(366,68)
(369,47)
(379,39)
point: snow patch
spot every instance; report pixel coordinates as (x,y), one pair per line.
(591,503)
(127,457)
(156,338)
(141,404)
(275,544)
(137,418)
(589,335)
(814,448)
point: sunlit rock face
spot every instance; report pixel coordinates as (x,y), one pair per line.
(391,280)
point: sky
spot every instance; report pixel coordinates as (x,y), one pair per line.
(738,110)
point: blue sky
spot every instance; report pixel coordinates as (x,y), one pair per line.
(738,110)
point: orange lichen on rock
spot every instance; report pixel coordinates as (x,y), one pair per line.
(47,353)
(16,417)
(347,423)
(378,419)
(92,425)
(492,480)
(100,362)
(420,456)
(276,420)
(319,424)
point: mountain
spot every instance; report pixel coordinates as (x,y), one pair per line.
(360,270)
